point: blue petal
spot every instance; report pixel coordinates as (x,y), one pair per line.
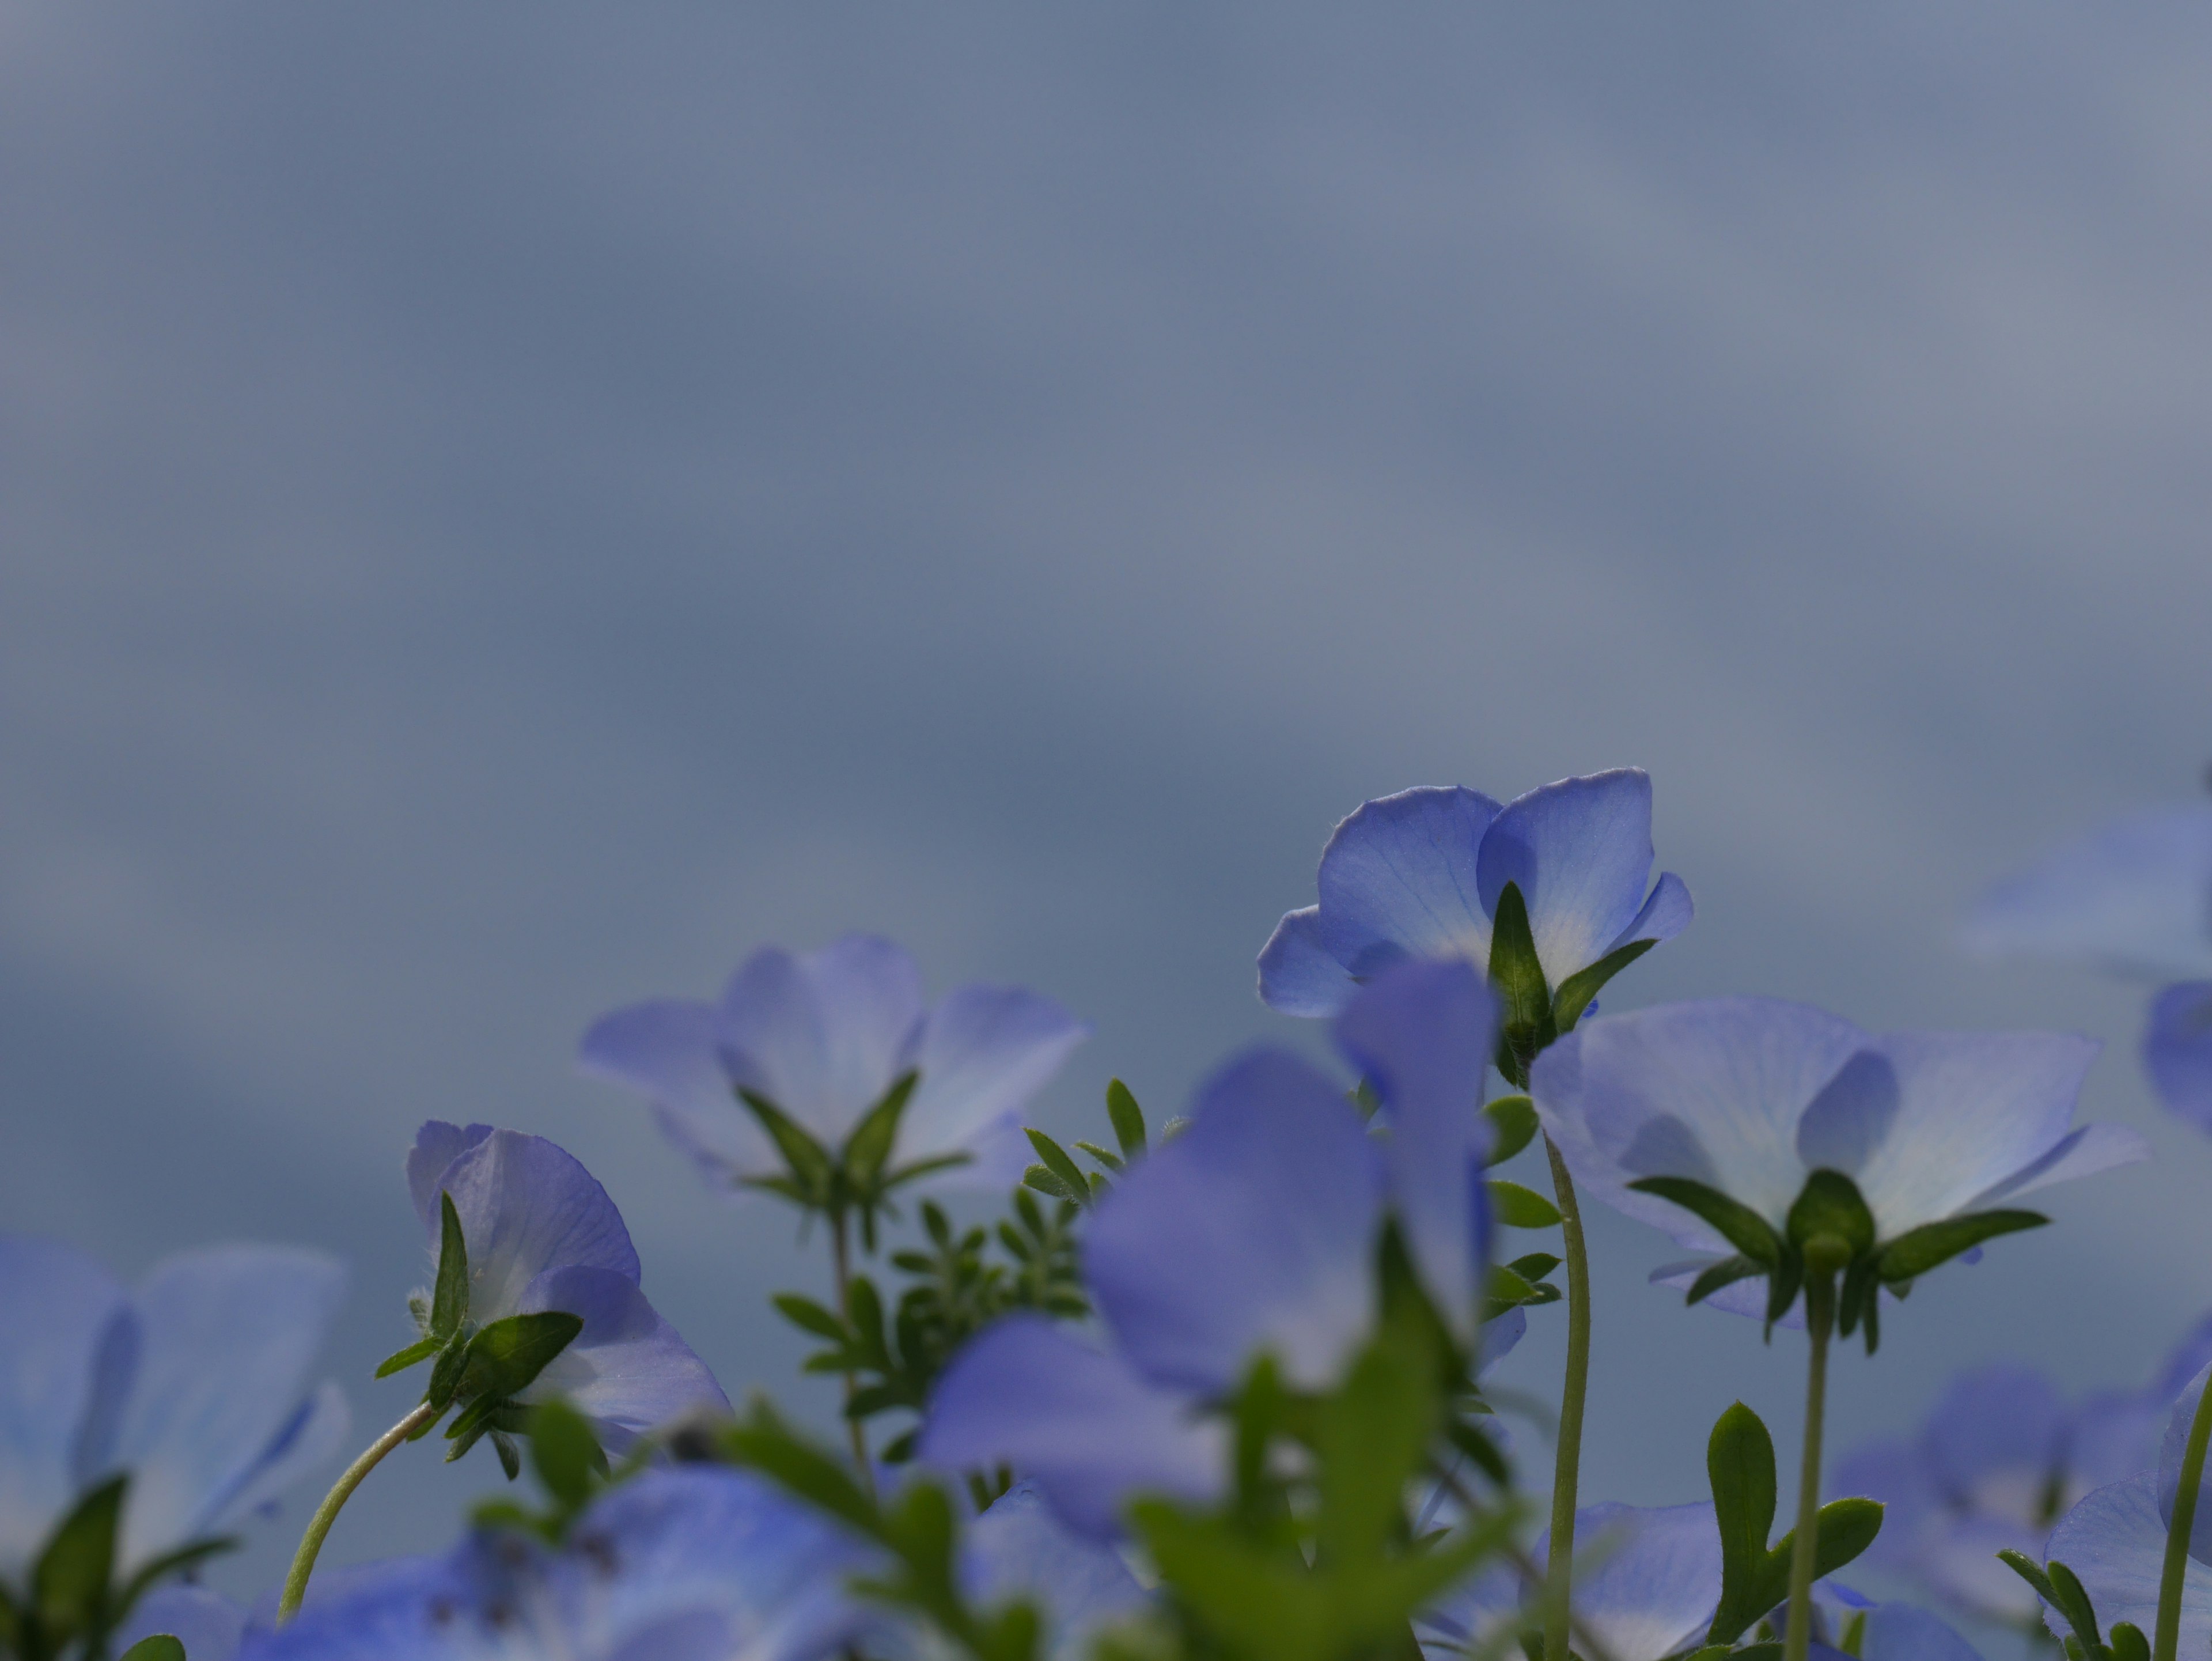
(1894,1472)
(1298,976)
(1468,1619)
(670,1052)
(317,1430)
(1653,1578)
(1898,1631)
(2177,1050)
(226,1337)
(2135,898)
(437,1145)
(1253,1230)
(1711,1091)
(1398,878)
(1745,1298)
(627,1371)
(821,1036)
(1018,1549)
(1500,1336)
(2001,1426)
(983,1052)
(2114,1434)
(55,1305)
(2190,1355)
(1425,1033)
(1091,1432)
(2172,1447)
(1581,852)
(413,1609)
(1665,914)
(528,1206)
(207,1625)
(2115,1541)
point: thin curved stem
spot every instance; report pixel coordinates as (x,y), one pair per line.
(840,1254)
(1566,1466)
(319,1525)
(2178,1532)
(1804,1550)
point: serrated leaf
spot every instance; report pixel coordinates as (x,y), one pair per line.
(812,1171)
(1127,1118)
(1111,1161)
(508,1355)
(1727,1272)
(1057,1161)
(811,1316)
(1829,1206)
(1513,1126)
(1044,1181)
(1521,1207)
(400,1361)
(69,1584)
(1576,991)
(1916,1250)
(1736,1222)
(869,1148)
(449,1300)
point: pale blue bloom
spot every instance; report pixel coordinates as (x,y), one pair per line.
(541,1234)
(2115,1541)
(1899,1631)
(1418,875)
(1748,1096)
(1018,1549)
(1252,1231)
(195,1384)
(209,1625)
(821,1038)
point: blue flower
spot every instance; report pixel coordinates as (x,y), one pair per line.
(2134,899)
(1418,875)
(2115,1541)
(541,1234)
(1017,1548)
(209,1625)
(1749,1097)
(1253,1231)
(1997,1460)
(195,1384)
(1898,1631)
(823,1038)
(696,1563)
(1651,1585)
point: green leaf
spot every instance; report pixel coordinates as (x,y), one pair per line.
(1742,1227)
(1521,1207)
(1861,1288)
(1740,1463)
(69,1585)
(1534,1266)
(1847,1528)
(1916,1250)
(1517,976)
(864,1309)
(400,1361)
(2128,1643)
(507,1355)
(1853,1640)
(162,1647)
(2073,1604)
(510,1456)
(763,1443)
(1128,1119)
(1111,1161)
(1783,1281)
(1372,1434)
(446,1375)
(1579,989)
(449,1301)
(814,1174)
(919,1168)
(869,1146)
(1727,1272)
(1513,1126)
(810,1317)
(564,1453)
(1830,1207)
(1057,1161)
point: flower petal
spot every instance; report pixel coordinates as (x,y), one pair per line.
(2115,1541)
(670,1052)
(821,1036)
(1655,1580)
(1018,1549)
(2135,898)
(1997,1432)
(1580,850)
(1083,1423)
(1277,1191)
(437,1145)
(207,1625)
(528,1206)
(55,1304)
(1666,913)
(1898,1631)
(316,1431)
(983,1052)
(1297,976)
(2177,1050)
(1398,878)
(627,1371)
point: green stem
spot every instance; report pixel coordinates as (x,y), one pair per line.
(319,1525)
(1804,1552)
(2178,1532)
(1567,1467)
(840,1254)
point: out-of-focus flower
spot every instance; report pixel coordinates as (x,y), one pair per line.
(2115,1542)
(822,1039)
(542,1235)
(2134,899)
(698,1563)
(1419,875)
(1252,1231)
(1745,1099)
(194,1385)
(1017,1548)
(209,1625)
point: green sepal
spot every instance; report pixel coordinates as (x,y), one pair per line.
(400,1361)
(509,1354)
(446,1375)
(68,1584)
(1727,1272)
(1830,1208)
(1737,1223)
(2127,1642)
(814,1174)
(1783,1282)
(162,1647)
(2073,1602)
(869,1146)
(1061,1164)
(449,1299)
(1513,1126)
(1127,1118)
(1916,1250)
(1579,989)
(1861,1288)
(510,1456)
(1525,1023)
(1521,1207)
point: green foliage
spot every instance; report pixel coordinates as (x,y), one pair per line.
(1513,1126)
(2062,1590)
(71,1600)
(1521,1207)
(571,1468)
(1526,1023)
(859,1179)
(162,1647)
(1755,1578)
(1057,1175)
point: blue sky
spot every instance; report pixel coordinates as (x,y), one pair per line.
(506,510)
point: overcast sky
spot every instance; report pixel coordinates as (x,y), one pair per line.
(505,509)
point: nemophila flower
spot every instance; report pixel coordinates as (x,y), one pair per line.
(1018,1549)
(190,1390)
(540,1235)
(1253,1232)
(2133,899)
(820,1044)
(695,1563)
(1754,1127)
(1997,1461)
(1423,875)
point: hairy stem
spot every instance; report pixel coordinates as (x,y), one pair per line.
(2178,1532)
(1804,1551)
(1567,1467)
(319,1525)
(840,1254)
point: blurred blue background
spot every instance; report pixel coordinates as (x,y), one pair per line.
(506,508)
